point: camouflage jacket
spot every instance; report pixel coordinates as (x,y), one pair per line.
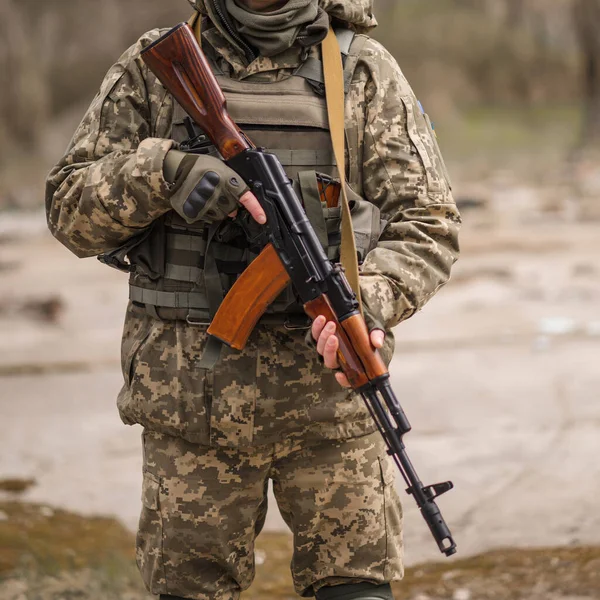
(109,186)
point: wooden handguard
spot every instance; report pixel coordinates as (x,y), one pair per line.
(249,298)
(180,65)
(359,361)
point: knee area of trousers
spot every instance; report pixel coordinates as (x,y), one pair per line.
(163,597)
(356,591)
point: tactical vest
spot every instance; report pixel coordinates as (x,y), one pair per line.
(182,271)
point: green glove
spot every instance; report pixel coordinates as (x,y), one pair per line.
(204,188)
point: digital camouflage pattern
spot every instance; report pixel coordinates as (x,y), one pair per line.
(273,389)
(109,186)
(196,540)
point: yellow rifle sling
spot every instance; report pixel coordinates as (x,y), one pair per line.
(195,22)
(334,93)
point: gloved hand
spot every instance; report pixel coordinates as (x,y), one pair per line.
(205,188)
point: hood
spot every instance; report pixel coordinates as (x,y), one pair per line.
(356,13)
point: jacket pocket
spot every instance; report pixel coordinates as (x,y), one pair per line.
(138,326)
(438,152)
(366,221)
(327,221)
(423,139)
(165,389)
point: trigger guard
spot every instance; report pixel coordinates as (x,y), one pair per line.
(255,233)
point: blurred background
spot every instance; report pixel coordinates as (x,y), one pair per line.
(498,374)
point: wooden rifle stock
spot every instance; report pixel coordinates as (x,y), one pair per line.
(177,60)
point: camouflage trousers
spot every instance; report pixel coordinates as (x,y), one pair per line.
(204,506)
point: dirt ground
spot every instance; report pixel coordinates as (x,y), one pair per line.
(49,554)
(498,375)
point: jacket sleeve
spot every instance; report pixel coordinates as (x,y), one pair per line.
(110,185)
(403,174)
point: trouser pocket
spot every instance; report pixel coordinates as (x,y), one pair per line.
(149,541)
(392,514)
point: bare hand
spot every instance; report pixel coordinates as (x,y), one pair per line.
(327,345)
(251,204)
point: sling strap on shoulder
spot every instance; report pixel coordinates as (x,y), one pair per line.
(334,93)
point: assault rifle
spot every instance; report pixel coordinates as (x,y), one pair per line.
(291,253)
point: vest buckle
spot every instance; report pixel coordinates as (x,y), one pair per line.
(297,323)
(196,317)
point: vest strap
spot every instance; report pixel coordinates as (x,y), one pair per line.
(211,353)
(182,273)
(312,204)
(189,300)
(344,37)
(312,68)
(186,242)
(304,157)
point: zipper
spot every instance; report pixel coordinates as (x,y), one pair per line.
(231,31)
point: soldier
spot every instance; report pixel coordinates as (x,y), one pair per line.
(213,438)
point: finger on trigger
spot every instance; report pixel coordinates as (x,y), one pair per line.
(253,207)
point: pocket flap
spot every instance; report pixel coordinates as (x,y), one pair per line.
(386,464)
(150,489)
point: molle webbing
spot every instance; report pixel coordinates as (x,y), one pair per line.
(304,157)
(289,157)
(161,298)
(229,259)
(286,117)
(193,307)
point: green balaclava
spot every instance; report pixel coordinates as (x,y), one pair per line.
(300,22)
